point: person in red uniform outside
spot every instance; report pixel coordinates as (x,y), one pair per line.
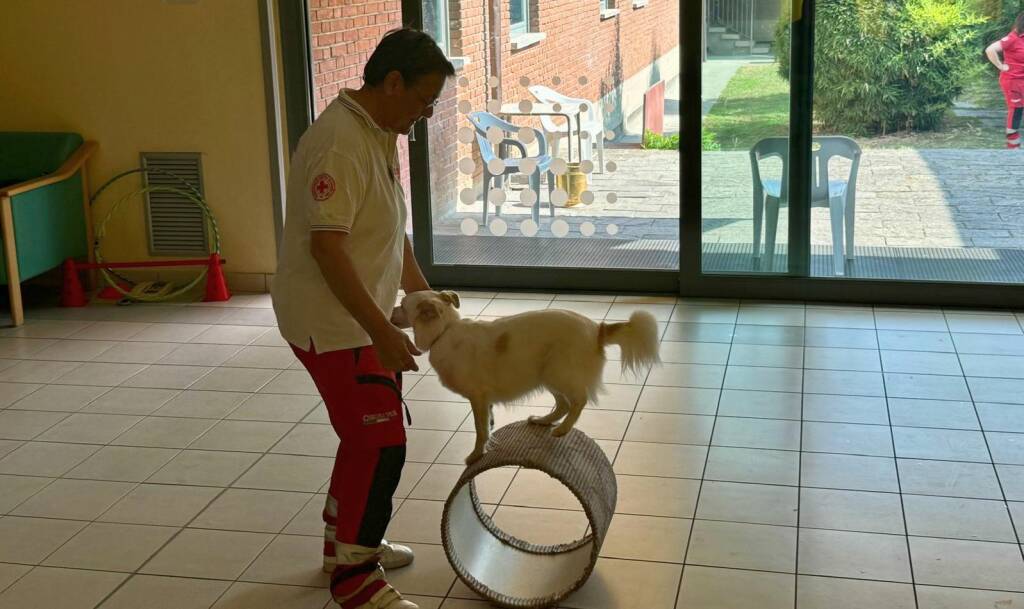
(1011,77)
(342,260)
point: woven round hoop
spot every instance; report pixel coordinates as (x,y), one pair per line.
(511,572)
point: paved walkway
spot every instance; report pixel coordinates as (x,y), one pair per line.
(905,198)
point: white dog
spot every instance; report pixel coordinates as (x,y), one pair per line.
(492,362)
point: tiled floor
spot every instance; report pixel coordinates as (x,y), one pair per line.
(174,457)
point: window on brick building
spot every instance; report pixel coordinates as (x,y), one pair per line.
(520,15)
(436,23)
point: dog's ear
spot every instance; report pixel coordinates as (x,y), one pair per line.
(450,297)
(427,311)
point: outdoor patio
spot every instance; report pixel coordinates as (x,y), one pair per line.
(954,215)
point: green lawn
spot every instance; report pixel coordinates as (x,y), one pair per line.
(755,105)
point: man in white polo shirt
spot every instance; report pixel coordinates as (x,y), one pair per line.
(344,256)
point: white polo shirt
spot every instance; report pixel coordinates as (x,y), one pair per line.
(343,177)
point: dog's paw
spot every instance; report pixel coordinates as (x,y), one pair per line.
(474,457)
(537,420)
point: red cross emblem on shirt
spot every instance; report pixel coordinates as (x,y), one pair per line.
(323,187)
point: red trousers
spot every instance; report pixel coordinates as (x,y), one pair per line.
(364,402)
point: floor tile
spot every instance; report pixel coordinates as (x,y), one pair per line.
(106,375)
(983,324)
(111,547)
(202,404)
(949,479)
(541,526)
(425,445)
(687,375)
(73,499)
(308,439)
(204,468)
(670,428)
(45,458)
(947,444)
(62,398)
(840,338)
(12,392)
(167,377)
(926,387)
(849,472)
(742,546)
(1006,391)
(768,335)
(122,463)
(854,555)
(840,318)
(158,592)
(263,357)
(648,496)
(677,352)
(10,573)
(249,380)
(159,504)
(129,400)
(89,428)
(771,315)
(37,372)
(229,335)
(650,538)
(241,436)
(534,488)
(775,356)
(918,362)
(110,330)
(290,560)
(866,512)
(1001,417)
(287,473)
(668,460)
(247,595)
(1006,448)
(845,409)
(836,593)
(622,311)
(170,332)
(284,408)
(967,564)
(700,332)
(37,589)
(1012,479)
(135,353)
(430,574)
(625,583)
(843,382)
(989,344)
(831,358)
(712,588)
(15,489)
(23,348)
(931,597)
(251,510)
(205,553)
(910,340)
(440,479)
(200,355)
(27,424)
(999,366)
(678,400)
(763,378)
(910,320)
(759,404)
(711,314)
(757,433)
(969,519)
(932,413)
(753,465)
(751,503)
(164,432)
(31,540)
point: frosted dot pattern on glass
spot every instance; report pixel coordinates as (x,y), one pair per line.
(499,227)
(587,167)
(528,228)
(559,228)
(528,197)
(559,197)
(612,229)
(495,135)
(583,80)
(587,197)
(524,81)
(467,166)
(465,106)
(609,135)
(559,167)
(467,196)
(528,166)
(526,106)
(611,166)
(466,135)
(612,197)
(584,107)
(497,196)
(527,135)
(587,229)
(469,227)
(463,82)
(493,81)
(494,106)
(556,80)
(584,135)
(496,167)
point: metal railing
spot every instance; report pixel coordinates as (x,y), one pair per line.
(736,16)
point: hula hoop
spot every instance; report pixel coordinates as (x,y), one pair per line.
(191,194)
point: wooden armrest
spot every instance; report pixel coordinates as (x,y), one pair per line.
(65,171)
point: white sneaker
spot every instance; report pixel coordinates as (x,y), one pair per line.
(392,556)
(388,598)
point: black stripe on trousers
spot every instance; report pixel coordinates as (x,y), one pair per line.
(379,501)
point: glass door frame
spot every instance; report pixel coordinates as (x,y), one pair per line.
(690,280)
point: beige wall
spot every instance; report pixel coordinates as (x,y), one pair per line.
(150,75)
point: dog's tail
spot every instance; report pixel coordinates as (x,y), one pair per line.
(638,339)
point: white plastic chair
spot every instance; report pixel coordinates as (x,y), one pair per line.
(591,123)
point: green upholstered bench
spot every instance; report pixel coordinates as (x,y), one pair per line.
(44,206)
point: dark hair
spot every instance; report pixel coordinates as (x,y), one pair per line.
(1018,24)
(412,53)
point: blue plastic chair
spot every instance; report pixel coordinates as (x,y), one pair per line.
(840,196)
(482,122)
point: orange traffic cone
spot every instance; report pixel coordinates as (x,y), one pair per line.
(72,294)
(216,286)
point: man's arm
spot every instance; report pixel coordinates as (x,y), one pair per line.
(412,275)
(329,249)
